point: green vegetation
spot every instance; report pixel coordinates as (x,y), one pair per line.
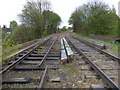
(37,20)
(41,51)
(38,17)
(114,47)
(0,44)
(9,51)
(8,46)
(52,21)
(95,18)
(13,24)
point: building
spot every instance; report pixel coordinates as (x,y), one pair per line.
(7,30)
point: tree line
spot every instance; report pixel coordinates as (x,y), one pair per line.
(37,20)
(95,18)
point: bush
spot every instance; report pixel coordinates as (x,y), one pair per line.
(23,34)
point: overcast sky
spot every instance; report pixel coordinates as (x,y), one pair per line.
(9,9)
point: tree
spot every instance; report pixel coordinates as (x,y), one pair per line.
(79,19)
(118,28)
(13,24)
(32,18)
(23,34)
(38,17)
(94,18)
(0,33)
(4,28)
(103,19)
(52,21)
(44,5)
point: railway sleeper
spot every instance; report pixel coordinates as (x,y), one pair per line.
(53,62)
(26,62)
(37,62)
(100,62)
(92,52)
(53,67)
(50,55)
(102,58)
(97,76)
(30,62)
(83,50)
(39,58)
(103,68)
(41,55)
(19,81)
(27,68)
(106,62)
(34,61)
(34,68)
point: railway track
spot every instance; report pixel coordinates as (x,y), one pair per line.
(105,65)
(33,67)
(30,68)
(12,59)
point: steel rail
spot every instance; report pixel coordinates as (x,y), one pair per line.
(97,46)
(45,56)
(106,53)
(108,81)
(43,79)
(22,50)
(11,66)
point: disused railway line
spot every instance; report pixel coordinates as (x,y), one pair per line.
(95,57)
(30,67)
(20,56)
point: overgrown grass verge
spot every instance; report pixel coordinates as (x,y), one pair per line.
(6,52)
(10,50)
(0,53)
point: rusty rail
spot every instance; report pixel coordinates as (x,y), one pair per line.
(43,79)
(11,66)
(45,56)
(25,49)
(108,81)
(98,49)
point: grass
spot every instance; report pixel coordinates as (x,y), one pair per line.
(5,52)
(0,49)
(10,50)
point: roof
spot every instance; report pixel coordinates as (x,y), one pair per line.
(8,29)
